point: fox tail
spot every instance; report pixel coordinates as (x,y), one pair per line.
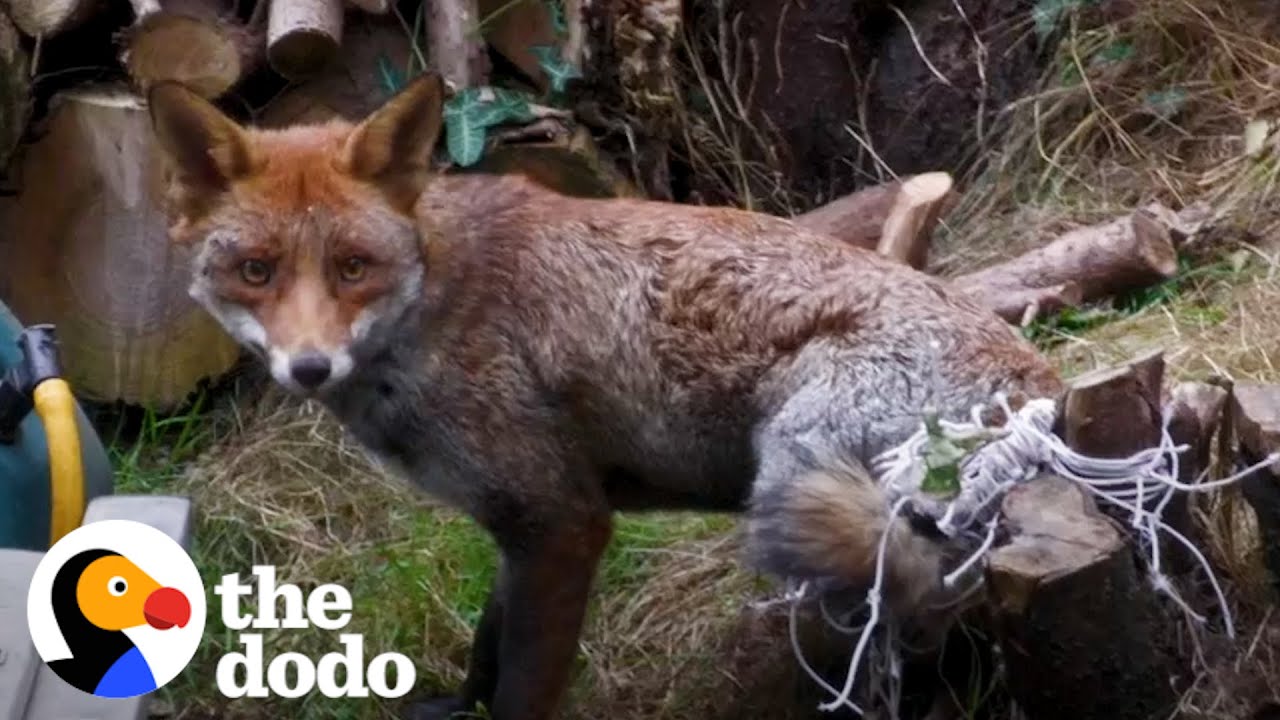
(827,523)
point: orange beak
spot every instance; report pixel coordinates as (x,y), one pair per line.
(165,608)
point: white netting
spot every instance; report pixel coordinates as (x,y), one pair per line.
(1023,448)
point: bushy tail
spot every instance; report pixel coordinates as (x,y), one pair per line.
(827,522)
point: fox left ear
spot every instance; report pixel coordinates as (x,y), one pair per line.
(392,147)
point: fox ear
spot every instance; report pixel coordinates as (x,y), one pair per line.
(208,149)
(392,147)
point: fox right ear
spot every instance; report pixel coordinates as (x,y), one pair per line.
(208,149)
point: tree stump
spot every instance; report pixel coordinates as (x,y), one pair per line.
(1081,630)
(1255,416)
(87,249)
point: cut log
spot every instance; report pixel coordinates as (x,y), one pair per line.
(354,85)
(457,53)
(15,90)
(303,36)
(1081,631)
(88,250)
(1075,620)
(1133,252)
(909,228)
(859,218)
(199,43)
(1255,415)
(1115,412)
(46,18)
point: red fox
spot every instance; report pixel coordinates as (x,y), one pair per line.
(540,361)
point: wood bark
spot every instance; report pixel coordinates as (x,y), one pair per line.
(45,18)
(15,89)
(88,250)
(1255,416)
(1124,254)
(1081,631)
(199,43)
(456,52)
(303,36)
(915,211)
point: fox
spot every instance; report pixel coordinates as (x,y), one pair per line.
(541,362)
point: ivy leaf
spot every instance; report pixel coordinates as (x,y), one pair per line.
(471,112)
(942,460)
(558,71)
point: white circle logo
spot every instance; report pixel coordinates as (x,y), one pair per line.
(116,608)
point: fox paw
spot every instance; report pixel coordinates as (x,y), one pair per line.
(439,708)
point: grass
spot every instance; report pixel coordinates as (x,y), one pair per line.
(1152,105)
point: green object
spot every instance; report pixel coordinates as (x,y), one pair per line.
(25,496)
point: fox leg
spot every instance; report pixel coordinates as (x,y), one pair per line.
(482,670)
(548,585)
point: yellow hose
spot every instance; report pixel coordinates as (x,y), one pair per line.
(57,410)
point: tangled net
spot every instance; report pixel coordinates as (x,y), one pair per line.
(1023,448)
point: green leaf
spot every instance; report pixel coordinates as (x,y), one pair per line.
(469,114)
(941,459)
(941,480)
(558,71)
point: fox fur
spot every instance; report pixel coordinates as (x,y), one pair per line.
(540,361)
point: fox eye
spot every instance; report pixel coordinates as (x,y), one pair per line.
(117,586)
(255,272)
(352,269)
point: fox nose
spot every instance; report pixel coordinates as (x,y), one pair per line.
(310,369)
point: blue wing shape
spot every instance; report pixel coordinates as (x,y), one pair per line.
(127,677)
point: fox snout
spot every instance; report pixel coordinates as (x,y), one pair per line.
(309,370)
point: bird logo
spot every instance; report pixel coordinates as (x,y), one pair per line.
(116,608)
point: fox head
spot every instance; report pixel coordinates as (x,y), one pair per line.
(305,246)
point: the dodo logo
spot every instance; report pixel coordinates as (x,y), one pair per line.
(116,608)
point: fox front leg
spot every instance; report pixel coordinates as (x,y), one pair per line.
(548,586)
(527,638)
(482,671)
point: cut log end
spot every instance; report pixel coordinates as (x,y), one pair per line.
(1114,412)
(303,36)
(204,55)
(909,228)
